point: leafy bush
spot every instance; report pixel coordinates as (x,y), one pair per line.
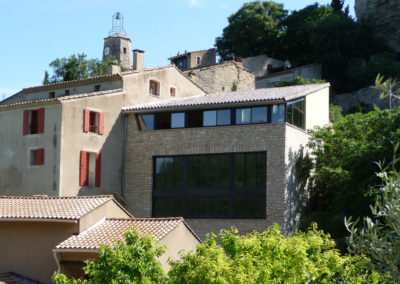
(344,177)
(300,81)
(132,261)
(270,257)
(379,238)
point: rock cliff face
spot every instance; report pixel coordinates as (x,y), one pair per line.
(384,18)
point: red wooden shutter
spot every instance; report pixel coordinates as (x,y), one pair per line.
(86,116)
(98,170)
(40,156)
(101,123)
(26,122)
(83,178)
(41,120)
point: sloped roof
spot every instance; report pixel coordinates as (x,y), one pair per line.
(249,96)
(13,278)
(49,207)
(108,230)
(24,103)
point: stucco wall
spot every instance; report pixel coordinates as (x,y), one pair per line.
(180,239)
(295,194)
(317,109)
(74,140)
(17,176)
(111,85)
(220,77)
(207,57)
(143,145)
(259,64)
(108,210)
(26,247)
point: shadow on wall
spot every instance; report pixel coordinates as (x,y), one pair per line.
(297,172)
(10,179)
(111,164)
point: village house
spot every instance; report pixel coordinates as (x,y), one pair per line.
(165,146)
(41,235)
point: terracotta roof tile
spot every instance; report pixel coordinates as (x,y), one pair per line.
(108,230)
(249,96)
(44,207)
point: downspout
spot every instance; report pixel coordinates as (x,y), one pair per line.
(123,157)
(56,257)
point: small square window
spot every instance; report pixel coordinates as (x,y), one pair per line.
(172,92)
(97,88)
(36,157)
(66,93)
(154,88)
(52,95)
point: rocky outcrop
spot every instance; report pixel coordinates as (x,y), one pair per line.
(384,18)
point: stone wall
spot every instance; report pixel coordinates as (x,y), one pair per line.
(384,18)
(364,98)
(220,77)
(142,146)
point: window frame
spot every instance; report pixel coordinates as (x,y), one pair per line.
(153,82)
(93,121)
(33,121)
(39,159)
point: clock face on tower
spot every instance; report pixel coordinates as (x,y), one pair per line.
(107,51)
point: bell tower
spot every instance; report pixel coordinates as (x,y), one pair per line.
(117,44)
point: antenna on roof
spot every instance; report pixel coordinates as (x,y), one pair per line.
(117,24)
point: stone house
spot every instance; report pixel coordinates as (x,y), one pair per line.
(40,235)
(222,160)
(66,138)
(194,59)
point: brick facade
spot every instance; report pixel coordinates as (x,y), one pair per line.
(142,146)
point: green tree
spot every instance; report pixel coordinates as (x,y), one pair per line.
(344,178)
(131,261)
(76,67)
(254,29)
(46,79)
(269,257)
(299,29)
(379,238)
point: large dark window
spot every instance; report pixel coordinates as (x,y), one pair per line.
(252,115)
(295,113)
(278,113)
(210,186)
(217,117)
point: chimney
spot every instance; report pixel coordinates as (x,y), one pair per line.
(113,68)
(239,61)
(138,59)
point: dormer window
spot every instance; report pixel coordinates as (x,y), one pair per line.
(154,88)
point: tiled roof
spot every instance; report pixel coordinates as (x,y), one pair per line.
(49,207)
(250,96)
(108,230)
(17,104)
(12,278)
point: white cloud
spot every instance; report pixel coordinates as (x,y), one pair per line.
(195,3)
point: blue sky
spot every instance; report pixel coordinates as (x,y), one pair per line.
(35,32)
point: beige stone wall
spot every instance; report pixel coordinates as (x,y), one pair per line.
(207,57)
(142,146)
(74,140)
(26,247)
(136,85)
(317,108)
(17,176)
(220,77)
